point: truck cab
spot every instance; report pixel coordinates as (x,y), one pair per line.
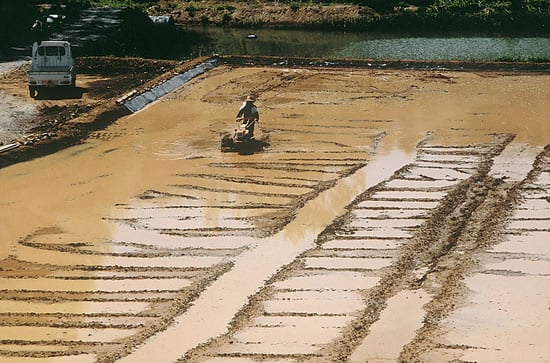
(52,66)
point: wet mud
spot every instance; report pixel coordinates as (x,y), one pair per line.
(59,118)
(396,215)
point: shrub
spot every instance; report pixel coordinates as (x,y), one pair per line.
(191,11)
(294,6)
(226,18)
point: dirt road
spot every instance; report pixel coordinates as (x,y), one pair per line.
(396,216)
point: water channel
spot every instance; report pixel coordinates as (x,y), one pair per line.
(338,44)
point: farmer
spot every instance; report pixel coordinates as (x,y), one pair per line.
(38,30)
(249,112)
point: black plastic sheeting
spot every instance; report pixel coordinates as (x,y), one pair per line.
(137,103)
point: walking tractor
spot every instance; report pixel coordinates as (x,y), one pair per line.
(242,137)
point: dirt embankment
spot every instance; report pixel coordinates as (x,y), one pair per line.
(64,118)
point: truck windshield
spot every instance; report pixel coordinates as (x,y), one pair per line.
(51,51)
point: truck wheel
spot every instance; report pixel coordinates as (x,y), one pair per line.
(33,91)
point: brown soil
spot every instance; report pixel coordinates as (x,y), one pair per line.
(397,215)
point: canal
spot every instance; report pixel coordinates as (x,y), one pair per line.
(339,44)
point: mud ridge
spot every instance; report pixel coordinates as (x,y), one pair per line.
(420,249)
(178,306)
(403,272)
(485,226)
(385,64)
(190,226)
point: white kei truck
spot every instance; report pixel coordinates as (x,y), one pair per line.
(52,66)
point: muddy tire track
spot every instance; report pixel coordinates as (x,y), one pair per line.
(372,245)
(504,206)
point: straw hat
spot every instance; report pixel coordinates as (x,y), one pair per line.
(249,99)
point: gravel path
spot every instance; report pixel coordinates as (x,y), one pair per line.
(16,113)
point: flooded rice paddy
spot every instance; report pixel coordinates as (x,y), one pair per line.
(396,215)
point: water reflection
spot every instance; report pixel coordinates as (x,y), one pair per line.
(309,43)
(467,49)
(317,213)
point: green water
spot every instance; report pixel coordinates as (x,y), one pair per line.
(300,43)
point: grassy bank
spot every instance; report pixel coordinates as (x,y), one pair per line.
(503,16)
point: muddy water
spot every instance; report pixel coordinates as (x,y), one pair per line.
(400,320)
(147,233)
(300,43)
(217,306)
